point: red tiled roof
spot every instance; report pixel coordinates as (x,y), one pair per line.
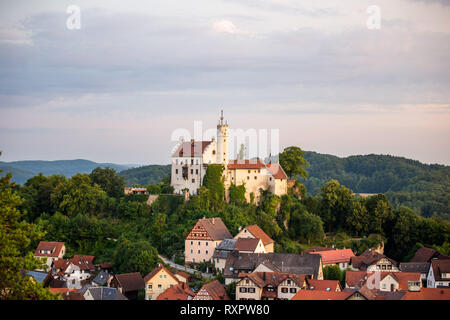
(355,278)
(177,292)
(276,170)
(321,295)
(246,164)
(191,149)
(428,294)
(83,262)
(130,281)
(215,290)
(215,228)
(156,270)
(246,244)
(53,246)
(327,285)
(424,255)
(257,232)
(335,256)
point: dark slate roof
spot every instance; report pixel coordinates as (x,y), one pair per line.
(106,293)
(227,244)
(307,264)
(38,276)
(421,267)
(101,278)
(427,254)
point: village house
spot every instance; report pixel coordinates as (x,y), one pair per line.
(427,254)
(254,231)
(212,291)
(371,260)
(128,284)
(221,253)
(269,285)
(383,281)
(157,281)
(237,263)
(249,245)
(202,240)
(183,276)
(191,159)
(75,271)
(439,274)
(181,291)
(339,257)
(102,278)
(323,285)
(419,267)
(133,190)
(50,251)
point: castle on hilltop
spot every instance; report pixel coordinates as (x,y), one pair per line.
(191,159)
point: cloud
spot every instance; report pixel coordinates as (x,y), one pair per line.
(226,26)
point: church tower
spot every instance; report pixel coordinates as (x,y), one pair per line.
(222,141)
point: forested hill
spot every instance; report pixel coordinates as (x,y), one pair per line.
(152,174)
(422,187)
(24,170)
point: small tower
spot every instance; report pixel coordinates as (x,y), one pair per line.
(222,141)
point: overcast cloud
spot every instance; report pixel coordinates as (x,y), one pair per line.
(114,90)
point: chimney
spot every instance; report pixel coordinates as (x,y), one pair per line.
(282,264)
(301,253)
(192,141)
(212,220)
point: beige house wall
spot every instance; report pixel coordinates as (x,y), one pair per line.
(158,284)
(289,284)
(247,283)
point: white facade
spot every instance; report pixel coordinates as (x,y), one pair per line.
(191,159)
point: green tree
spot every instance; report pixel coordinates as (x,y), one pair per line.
(135,256)
(237,194)
(305,226)
(15,237)
(213,181)
(159,227)
(109,181)
(77,195)
(332,272)
(154,188)
(293,161)
(336,204)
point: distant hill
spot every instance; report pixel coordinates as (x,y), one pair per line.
(152,174)
(23,170)
(422,187)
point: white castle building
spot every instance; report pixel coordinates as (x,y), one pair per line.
(191,159)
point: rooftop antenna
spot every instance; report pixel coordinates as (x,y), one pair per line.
(221,116)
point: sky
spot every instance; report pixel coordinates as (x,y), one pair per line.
(116,89)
